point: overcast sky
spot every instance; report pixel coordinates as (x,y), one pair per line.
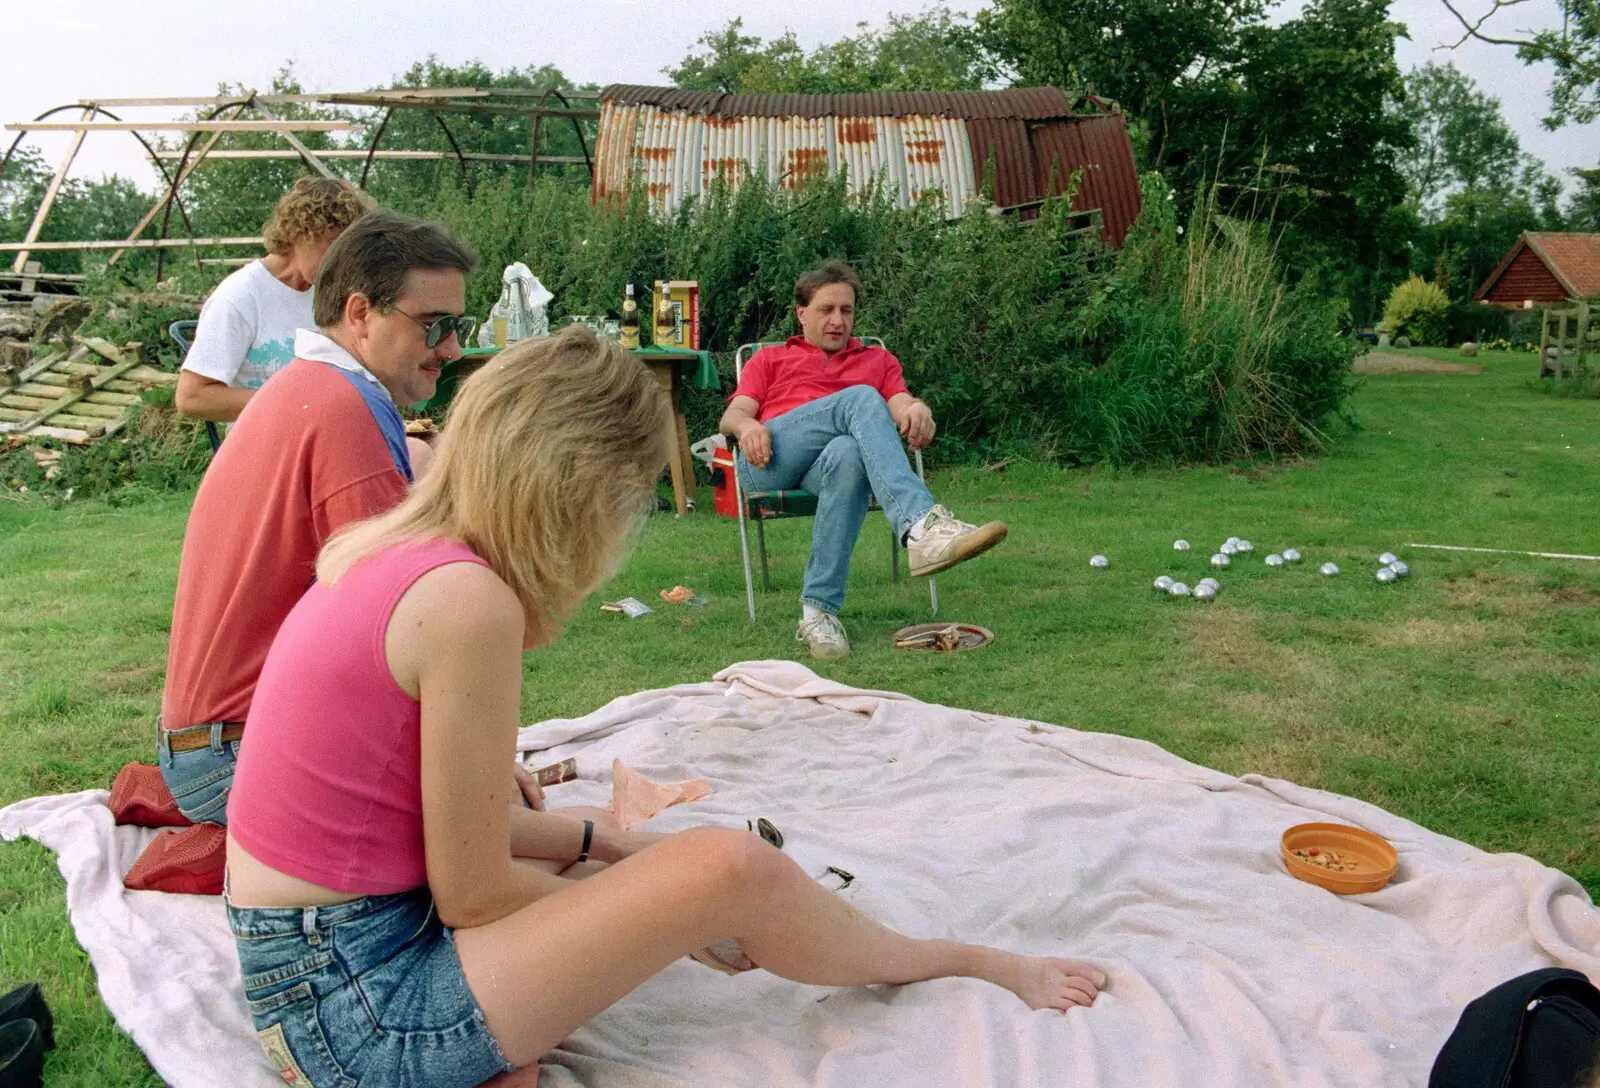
(136,48)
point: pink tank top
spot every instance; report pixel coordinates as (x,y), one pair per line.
(329,782)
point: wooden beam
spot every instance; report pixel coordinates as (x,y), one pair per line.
(347,153)
(43,277)
(461,107)
(43,211)
(305,152)
(172,190)
(185,126)
(214,100)
(138,243)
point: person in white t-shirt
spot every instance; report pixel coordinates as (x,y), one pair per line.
(247,326)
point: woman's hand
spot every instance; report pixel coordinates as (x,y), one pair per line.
(529,786)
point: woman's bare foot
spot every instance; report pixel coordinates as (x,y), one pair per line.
(1048,983)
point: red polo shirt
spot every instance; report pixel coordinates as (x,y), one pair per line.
(783,377)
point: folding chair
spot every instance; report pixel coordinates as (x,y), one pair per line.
(764,506)
(182,333)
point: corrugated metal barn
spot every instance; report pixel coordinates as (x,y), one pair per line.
(679,141)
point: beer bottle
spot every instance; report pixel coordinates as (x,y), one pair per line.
(630,320)
(666,316)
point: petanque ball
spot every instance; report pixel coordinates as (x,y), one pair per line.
(1180,545)
(1178,589)
(1291,556)
(1220,561)
(1400,569)
(1386,575)
(1099,562)
(1274,560)
(1329,570)
(1386,558)
(1245,546)
(1230,548)
(1160,585)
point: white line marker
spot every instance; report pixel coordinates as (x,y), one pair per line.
(1505,551)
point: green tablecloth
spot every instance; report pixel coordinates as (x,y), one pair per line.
(695,368)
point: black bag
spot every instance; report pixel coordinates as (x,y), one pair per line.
(1539,1030)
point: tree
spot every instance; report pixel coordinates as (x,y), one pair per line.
(1462,140)
(83,209)
(1574,52)
(1156,58)
(1584,211)
(934,51)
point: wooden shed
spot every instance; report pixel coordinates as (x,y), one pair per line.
(1545,268)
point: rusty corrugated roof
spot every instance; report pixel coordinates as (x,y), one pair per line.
(1099,148)
(1572,258)
(1020,103)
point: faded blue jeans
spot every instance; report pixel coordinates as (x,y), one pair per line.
(843,448)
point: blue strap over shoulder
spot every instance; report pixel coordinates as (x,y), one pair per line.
(385,415)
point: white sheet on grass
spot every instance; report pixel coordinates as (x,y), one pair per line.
(1224,970)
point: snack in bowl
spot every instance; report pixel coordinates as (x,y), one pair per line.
(1342,859)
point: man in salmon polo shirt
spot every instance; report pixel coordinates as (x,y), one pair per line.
(320,445)
(826,413)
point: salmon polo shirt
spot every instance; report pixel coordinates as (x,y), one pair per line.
(304,459)
(784,376)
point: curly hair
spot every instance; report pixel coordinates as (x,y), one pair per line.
(312,208)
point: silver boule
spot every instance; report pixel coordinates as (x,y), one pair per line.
(1210,581)
(1099,562)
(1328,570)
(1290,555)
(1386,575)
(1400,569)
(1178,589)
(1180,545)
(1230,548)
(1221,561)
(1245,546)
(1386,558)
(1162,583)
(1233,540)
(1274,560)
(1203,592)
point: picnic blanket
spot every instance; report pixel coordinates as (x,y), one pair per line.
(1224,970)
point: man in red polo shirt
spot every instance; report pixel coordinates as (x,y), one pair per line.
(826,413)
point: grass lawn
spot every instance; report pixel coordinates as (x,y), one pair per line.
(1467,699)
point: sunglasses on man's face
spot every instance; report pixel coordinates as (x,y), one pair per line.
(442,327)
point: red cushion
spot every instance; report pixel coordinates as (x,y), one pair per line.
(189,861)
(140,797)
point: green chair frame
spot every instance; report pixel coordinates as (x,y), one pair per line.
(764,506)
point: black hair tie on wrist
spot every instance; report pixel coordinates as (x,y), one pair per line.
(588,837)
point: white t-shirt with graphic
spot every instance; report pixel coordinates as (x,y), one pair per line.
(247,327)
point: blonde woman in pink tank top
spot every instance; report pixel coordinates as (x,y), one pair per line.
(400,920)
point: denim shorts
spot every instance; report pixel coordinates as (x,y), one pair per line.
(363,993)
(201,778)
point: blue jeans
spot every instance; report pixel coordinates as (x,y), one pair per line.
(365,992)
(843,448)
(200,779)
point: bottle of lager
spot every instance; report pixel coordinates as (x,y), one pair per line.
(630,320)
(666,316)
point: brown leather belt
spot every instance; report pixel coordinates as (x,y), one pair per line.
(201,738)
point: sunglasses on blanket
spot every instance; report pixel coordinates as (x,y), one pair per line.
(441,327)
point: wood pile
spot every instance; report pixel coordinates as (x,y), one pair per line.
(78,394)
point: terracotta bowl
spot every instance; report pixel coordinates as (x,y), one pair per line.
(1369,861)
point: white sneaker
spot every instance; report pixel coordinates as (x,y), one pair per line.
(825,635)
(945,542)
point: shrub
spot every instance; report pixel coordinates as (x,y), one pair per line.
(1419,310)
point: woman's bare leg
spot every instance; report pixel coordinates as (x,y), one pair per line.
(540,973)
